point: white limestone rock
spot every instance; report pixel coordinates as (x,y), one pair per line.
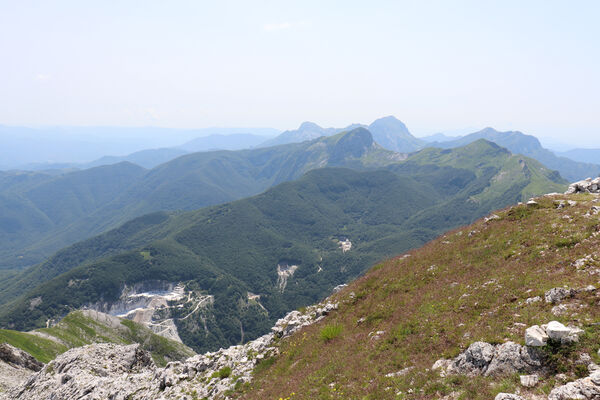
(582,389)
(529,381)
(508,396)
(535,336)
(588,185)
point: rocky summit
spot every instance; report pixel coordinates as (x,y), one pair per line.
(119,372)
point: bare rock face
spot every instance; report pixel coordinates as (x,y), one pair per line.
(98,371)
(109,371)
(485,359)
(18,358)
(16,366)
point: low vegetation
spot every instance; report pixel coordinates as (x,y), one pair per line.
(330,332)
(469,285)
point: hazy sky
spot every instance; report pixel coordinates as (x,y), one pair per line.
(437,65)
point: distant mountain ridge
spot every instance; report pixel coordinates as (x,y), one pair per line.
(151,158)
(234,141)
(520,143)
(389,132)
(582,155)
(20,146)
(42,213)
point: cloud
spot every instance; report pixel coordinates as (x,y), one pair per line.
(42,77)
(277,27)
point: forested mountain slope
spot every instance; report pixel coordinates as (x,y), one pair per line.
(41,213)
(284,245)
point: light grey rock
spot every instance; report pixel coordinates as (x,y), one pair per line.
(566,335)
(492,217)
(532,300)
(485,359)
(508,396)
(588,185)
(582,389)
(442,365)
(474,360)
(559,310)
(557,331)
(511,357)
(18,358)
(339,288)
(535,336)
(529,381)
(402,372)
(556,295)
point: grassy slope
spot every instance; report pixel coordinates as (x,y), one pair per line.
(455,290)
(77,329)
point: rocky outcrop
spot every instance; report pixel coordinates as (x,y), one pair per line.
(99,371)
(508,396)
(108,371)
(16,366)
(556,295)
(588,185)
(538,336)
(482,358)
(584,389)
(18,358)
(535,336)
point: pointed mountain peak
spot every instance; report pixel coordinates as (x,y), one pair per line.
(352,144)
(390,122)
(392,134)
(489,129)
(307,125)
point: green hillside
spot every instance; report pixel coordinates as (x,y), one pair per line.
(469,285)
(85,327)
(41,214)
(232,250)
(37,206)
(530,146)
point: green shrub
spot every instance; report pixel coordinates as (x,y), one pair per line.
(331,331)
(223,373)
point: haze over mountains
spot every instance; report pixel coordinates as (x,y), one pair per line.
(21,146)
(389,132)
